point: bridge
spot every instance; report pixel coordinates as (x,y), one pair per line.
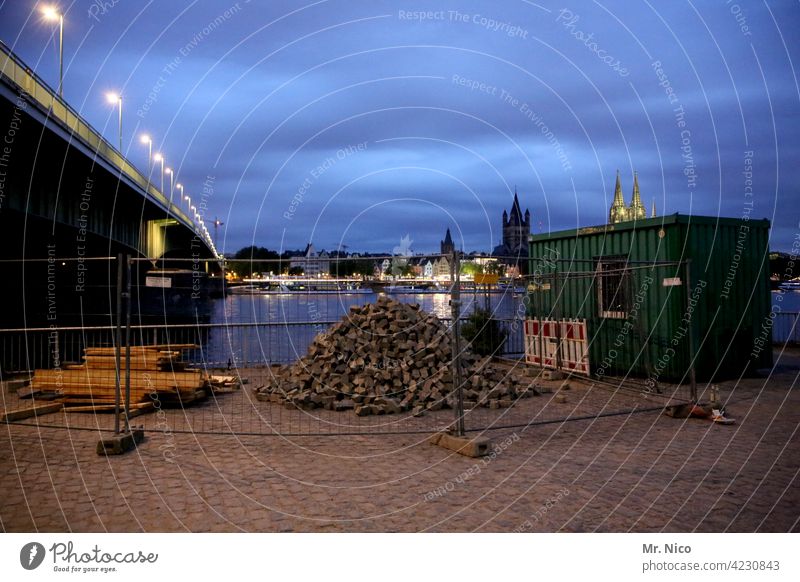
(69,201)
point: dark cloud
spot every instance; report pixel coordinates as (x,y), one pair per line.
(454,110)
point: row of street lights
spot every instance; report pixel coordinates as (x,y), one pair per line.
(158,158)
(52,13)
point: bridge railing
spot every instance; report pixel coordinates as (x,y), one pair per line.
(29,83)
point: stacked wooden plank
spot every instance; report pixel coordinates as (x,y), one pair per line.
(155,374)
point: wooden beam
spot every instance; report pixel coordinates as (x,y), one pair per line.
(23,413)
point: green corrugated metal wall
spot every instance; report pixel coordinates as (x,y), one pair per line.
(655,343)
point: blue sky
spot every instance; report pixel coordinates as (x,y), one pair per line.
(358,122)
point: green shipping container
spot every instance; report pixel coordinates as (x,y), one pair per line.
(628,281)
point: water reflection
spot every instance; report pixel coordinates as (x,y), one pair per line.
(301,307)
(288,323)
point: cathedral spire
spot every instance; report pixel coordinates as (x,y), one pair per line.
(446,246)
(653,209)
(636,209)
(516,212)
(618,199)
(618,211)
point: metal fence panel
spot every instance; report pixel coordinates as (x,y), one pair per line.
(785,328)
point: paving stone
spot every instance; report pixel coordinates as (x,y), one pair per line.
(644,472)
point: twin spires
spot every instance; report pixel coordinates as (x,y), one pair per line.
(619,212)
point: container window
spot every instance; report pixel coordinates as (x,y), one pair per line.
(613,297)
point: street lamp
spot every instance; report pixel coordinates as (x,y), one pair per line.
(179,186)
(171,176)
(157,157)
(147,140)
(217,224)
(51,13)
(116,99)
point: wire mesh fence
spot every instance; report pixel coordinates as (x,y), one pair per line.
(786,327)
(242,321)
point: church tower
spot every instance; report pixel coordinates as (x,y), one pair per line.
(516,227)
(618,211)
(636,211)
(447,246)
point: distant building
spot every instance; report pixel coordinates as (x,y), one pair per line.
(423,267)
(440,269)
(516,230)
(636,211)
(313,263)
(447,246)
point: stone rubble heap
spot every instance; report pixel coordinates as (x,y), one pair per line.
(387,358)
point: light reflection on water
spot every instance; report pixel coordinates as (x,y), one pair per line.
(277,308)
(279,342)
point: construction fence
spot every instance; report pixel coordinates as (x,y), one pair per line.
(223,370)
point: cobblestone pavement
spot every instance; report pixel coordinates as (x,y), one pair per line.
(641,472)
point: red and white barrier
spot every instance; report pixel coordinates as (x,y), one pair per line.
(548,341)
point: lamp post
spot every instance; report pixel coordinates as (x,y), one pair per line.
(157,157)
(179,186)
(116,99)
(217,224)
(146,139)
(171,178)
(52,13)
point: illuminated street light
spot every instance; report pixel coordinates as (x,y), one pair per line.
(217,224)
(116,99)
(157,157)
(51,13)
(171,178)
(146,139)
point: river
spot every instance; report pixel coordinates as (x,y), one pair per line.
(287,323)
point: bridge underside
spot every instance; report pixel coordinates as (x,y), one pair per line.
(61,206)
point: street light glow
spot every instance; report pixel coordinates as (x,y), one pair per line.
(157,157)
(167,170)
(145,138)
(50,12)
(113,98)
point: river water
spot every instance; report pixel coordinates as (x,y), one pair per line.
(317,308)
(287,323)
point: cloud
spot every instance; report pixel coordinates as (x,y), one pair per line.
(453,113)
